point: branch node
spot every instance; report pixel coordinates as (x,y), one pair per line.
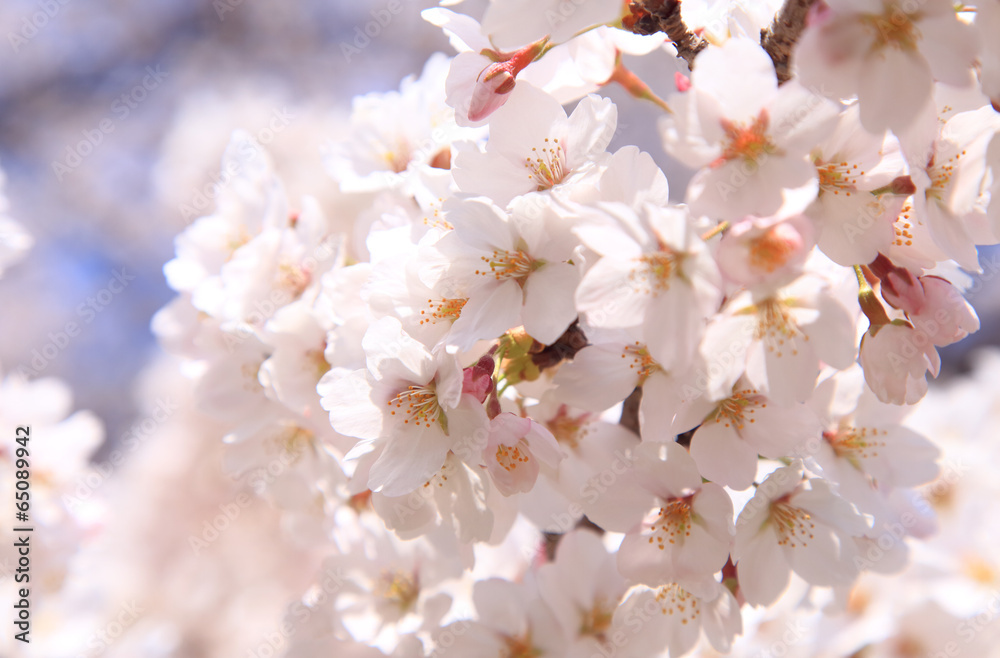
(652,16)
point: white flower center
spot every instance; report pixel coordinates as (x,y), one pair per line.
(516,265)
(510,457)
(775,326)
(397,156)
(675,600)
(771,250)
(673,524)
(419,404)
(442,309)
(793,525)
(855,443)
(547,166)
(598,619)
(893,28)
(435,220)
(294,278)
(317,358)
(940,175)
(738,409)
(399,588)
(569,429)
(291,442)
(746,142)
(654,272)
(642,362)
(520,647)
(837,176)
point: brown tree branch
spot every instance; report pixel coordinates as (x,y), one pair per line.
(779,39)
(652,16)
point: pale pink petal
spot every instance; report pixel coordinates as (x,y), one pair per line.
(722,456)
(762,570)
(951,47)
(608,294)
(488,314)
(410,458)
(660,400)
(347,396)
(740,74)
(666,469)
(586,142)
(895,86)
(603,363)
(548,301)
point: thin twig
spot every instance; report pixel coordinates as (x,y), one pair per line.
(652,16)
(779,39)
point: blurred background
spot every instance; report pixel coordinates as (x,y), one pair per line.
(113,118)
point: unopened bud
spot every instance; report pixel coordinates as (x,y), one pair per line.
(492,87)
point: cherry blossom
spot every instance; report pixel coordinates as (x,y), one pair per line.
(672,617)
(865,447)
(655,274)
(764,254)
(735,430)
(548,385)
(932,304)
(888,54)
(512,620)
(621,366)
(687,538)
(517,269)
(513,452)
(584,607)
(408,399)
(535,146)
(396,133)
(862,188)
(948,185)
(794,524)
(780,340)
(748,137)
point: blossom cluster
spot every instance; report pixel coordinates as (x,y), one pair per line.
(58,445)
(531,406)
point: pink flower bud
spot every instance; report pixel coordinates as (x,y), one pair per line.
(903,291)
(497,80)
(477,381)
(493,86)
(896,359)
